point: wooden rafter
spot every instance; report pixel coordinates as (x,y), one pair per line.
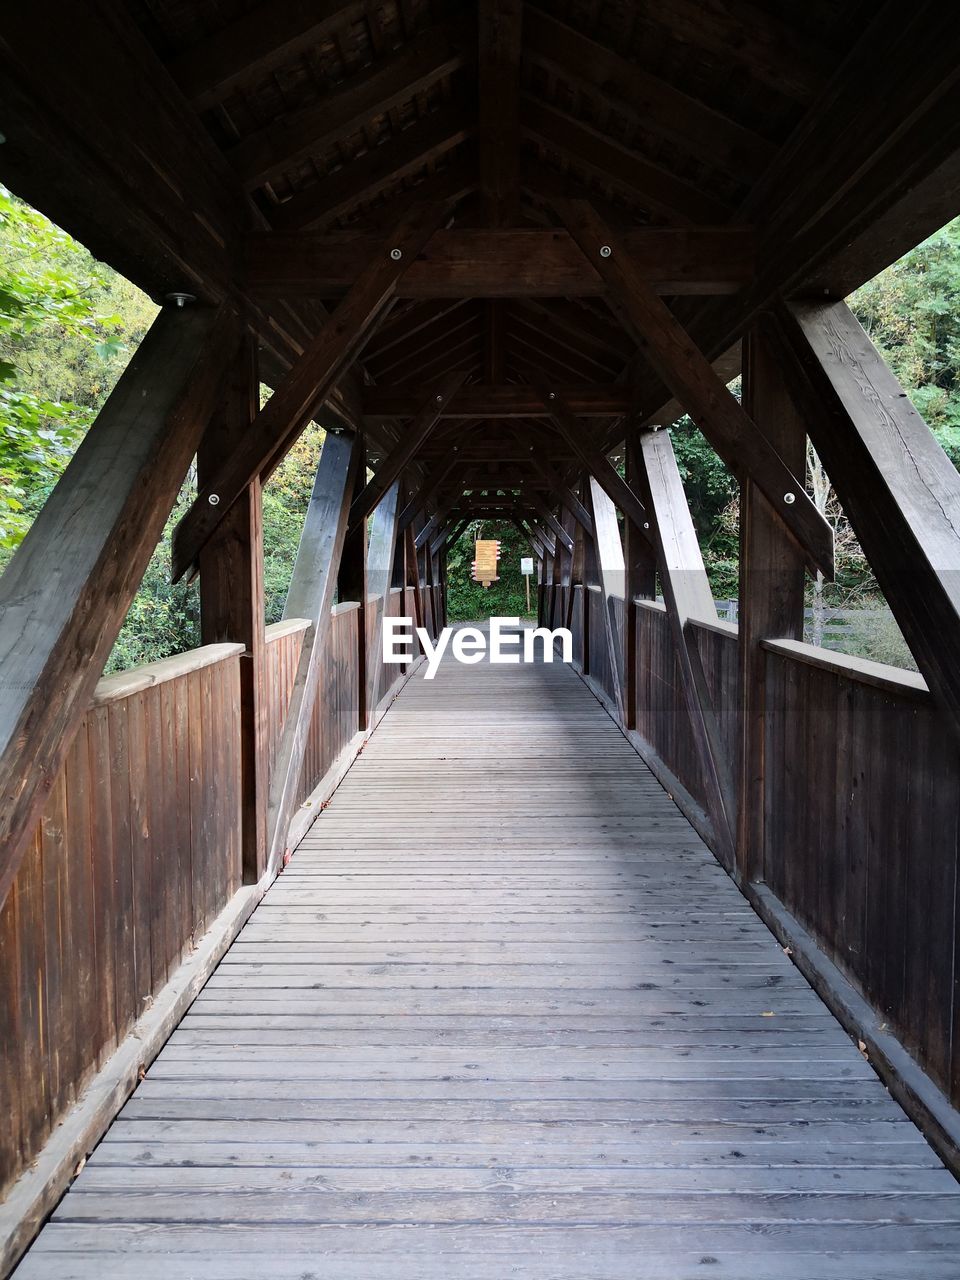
(255,43)
(419,145)
(304,389)
(596,153)
(649,100)
(505,401)
(279,146)
(65,593)
(500,42)
(593,459)
(412,440)
(724,422)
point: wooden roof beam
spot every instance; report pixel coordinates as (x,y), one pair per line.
(721,418)
(503,401)
(257,43)
(306,386)
(430,57)
(654,104)
(880,151)
(365,177)
(656,188)
(501,263)
(500,39)
(410,443)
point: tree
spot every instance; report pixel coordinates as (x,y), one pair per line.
(468,600)
(67,328)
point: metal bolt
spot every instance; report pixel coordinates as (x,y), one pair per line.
(396,254)
(789,498)
(181,299)
(605,251)
(214,499)
(552,395)
(439,399)
(646,524)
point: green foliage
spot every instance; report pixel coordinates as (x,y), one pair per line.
(713,496)
(285,499)
(912,313)
(467,601)
(67,326)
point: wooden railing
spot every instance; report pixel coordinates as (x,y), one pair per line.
(139,850)
(863,810)
(861,805)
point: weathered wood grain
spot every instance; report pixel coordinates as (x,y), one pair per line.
(539,1032)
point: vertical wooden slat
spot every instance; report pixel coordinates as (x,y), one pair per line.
(106,904)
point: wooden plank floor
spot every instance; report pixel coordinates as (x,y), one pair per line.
(503,1016)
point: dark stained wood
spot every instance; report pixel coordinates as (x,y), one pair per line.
(772,581)
(352,584)
(626,170)
(499,41)
(651,100)
(310,596)
(555,401)
(269,151)
(422,144)
(412,440)
(668,347)
(64,595)
(900,491)
(500,263)
(231,593)
(507,401)
(304,389)
(256,42)
(640,568)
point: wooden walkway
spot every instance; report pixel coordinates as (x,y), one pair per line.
(503,1016)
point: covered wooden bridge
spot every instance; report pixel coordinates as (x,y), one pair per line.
(642,969)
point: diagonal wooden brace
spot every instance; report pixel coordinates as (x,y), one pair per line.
(305,387)
(684,368)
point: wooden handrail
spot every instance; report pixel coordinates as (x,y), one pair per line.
(878,674)
(126,683)
(277,630)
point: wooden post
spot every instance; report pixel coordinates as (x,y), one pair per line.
(669,349)
(231,596)
(352,583)
(380,560)
(896,484)
(311,596)
(305,387)
(687,593)
(66,592)
(612,576)
(772,579)
(640,567)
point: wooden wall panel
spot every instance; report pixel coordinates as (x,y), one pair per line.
(862,806)
(137,849)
